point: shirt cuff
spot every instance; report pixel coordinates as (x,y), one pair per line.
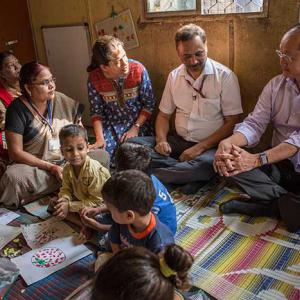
(250,135)
(294,139)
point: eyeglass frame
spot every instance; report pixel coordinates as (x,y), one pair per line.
(288,58)
(45,82)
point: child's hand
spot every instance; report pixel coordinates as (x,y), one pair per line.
(86,219)
(61,208)
(89,212)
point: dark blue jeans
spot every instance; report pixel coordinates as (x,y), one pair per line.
(169,169)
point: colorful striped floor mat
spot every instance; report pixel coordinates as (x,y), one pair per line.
(237,257)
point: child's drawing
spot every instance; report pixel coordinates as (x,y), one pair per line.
(55,255)
(39,234)
(48,257)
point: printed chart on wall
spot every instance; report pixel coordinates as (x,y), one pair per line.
(120,26)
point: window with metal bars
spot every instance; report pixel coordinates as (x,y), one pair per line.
(170,8)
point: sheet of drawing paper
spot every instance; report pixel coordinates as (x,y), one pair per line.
(8,233)
(38,234)
(53,256)
(6,216)
(39,208)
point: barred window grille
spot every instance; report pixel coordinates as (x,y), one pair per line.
(170,5)
(220,7)
(203,7)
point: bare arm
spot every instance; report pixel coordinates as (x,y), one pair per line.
(98,129)
(281,152)
(17,154)
(162,128)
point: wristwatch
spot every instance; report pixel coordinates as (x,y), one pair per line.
(137,125)
(263,157)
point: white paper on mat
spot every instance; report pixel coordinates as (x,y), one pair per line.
(39,208)
(8,233)
(38,234)
(6,216)
(55,255)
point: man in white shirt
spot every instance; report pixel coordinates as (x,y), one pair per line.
(205,97)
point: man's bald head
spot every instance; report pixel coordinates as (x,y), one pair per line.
(293,32)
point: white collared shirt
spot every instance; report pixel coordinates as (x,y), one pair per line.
(198,116)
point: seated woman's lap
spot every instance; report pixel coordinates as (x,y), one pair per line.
(22,183)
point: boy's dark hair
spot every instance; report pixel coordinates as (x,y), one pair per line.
(130,190)
(72,130)
(140,276)
(132,156)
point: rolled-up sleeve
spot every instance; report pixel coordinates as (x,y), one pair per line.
(294,139)
(256,123)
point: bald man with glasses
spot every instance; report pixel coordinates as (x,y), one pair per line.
(205,97)
(271,179)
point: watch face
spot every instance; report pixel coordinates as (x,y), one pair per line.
(263,158)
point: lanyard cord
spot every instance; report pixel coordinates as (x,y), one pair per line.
(49,119)
(200,88)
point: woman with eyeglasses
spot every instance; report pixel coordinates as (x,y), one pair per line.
(33,122)
(9,89)
(120,95)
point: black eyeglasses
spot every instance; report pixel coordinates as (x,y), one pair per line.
(46,82)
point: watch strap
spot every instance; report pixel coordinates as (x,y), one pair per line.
(263,158)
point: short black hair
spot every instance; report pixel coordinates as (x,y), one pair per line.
(132,156)
(72,130)
(188,32)
(130,190)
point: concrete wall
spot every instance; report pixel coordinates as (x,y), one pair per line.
(251,49)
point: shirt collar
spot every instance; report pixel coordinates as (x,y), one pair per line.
(208,69)
(148,229)
(87,161)
(292,83)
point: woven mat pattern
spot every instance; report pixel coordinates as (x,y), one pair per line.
(237,257)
